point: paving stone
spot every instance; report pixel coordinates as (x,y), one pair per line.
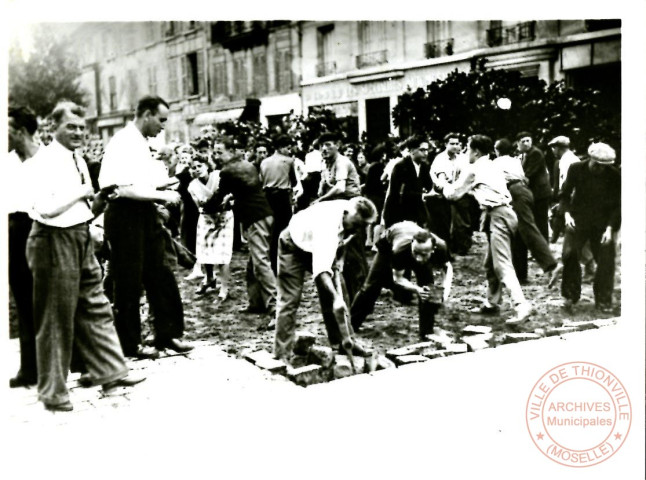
(551,332)
(258,355)
(272,365)
(433,352)
(408,350)
(519,337)
(307,375)
(476,329)
(383,363)
(477,342)
(440,338)
(321,355)
(342,367)
(457,348)
(605,322)
(304,341)
(408,359)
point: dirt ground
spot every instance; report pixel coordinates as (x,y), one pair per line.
(392,324)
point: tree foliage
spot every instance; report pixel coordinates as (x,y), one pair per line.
(49,75)
(466,102)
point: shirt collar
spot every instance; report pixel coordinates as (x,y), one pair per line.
(56,146)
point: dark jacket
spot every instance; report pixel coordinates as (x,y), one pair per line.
(404,197)
(536,172)
(240,178)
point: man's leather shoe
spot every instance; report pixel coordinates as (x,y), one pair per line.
(60,407)
(255,310)
(127,381)
(21,381)
(179,346)
(487,310)
(85,380)
(146,352)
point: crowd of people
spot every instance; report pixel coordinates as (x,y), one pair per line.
(94,227)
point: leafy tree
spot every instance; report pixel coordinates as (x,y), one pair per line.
(467,102)
(49,75)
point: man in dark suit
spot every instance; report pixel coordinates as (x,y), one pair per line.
(535,169)
(410,179)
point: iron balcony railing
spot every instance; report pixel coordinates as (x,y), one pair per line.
(521,32)
(325,68)
(438,48)
(371,59)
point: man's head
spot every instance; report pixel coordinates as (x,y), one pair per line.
(225,149)
(559,145)
(329,144)
(524,140)
(22,127)
(68,120)
(602,156)
(283,144)
(479,146)
(503,147)
(452,143)
(262,151)
(349,150)
(418,148)
(151,115)
(360,213)
(422,246)
(165,154)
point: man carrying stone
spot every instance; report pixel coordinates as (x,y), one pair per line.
(486,182)
(136,235)
(314,241)
(405,246)
(70,307)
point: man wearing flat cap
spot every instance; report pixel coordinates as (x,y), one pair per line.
(591,204)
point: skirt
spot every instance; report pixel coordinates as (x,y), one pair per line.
(214,244)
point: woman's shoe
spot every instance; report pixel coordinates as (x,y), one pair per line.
(205,287)
(223,296)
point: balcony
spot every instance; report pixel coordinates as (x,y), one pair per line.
(239,35)
(325,68)
(438,48)
(522,32)
(372,59)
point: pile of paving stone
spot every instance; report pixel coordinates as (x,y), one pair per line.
(313,363)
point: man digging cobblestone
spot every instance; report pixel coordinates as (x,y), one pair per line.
(315,240)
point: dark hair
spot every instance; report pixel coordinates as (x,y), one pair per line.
(328,137)
(24,117)
(229,142)
(523,135)
(415,141)
(449,136)
(150,103)
(201,143)
(365,208)
(64,107)
(504,146)
(423,236)
(482,143)
(282,141)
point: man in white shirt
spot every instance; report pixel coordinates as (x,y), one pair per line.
(486,182)
(312,179)
(22,146)
(70,307)
(315,240)
(136,236)
(454,225)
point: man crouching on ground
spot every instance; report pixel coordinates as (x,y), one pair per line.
(314,240)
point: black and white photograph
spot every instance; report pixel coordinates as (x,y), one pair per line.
(282,245)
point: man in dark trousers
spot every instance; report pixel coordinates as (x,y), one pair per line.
(409,180)
(136,235)
(591,204)
(240,179)
(22,146)
(405,246)
(279,178)
(70,307)
(535,169)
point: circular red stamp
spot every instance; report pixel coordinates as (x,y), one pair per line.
(578,414)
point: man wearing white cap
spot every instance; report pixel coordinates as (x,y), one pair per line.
(591,204)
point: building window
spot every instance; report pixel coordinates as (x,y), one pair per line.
(325,65)
(173,86)
(439,41)
(497,34)
(372,44)
(171,29)
(112,85)
(283,70)
(152,80)
(260,73)
(240,77)
(220,79)
(192,73)
(596,25)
